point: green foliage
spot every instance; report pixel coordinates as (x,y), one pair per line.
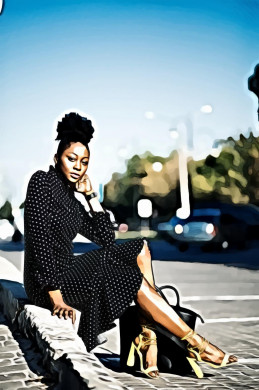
(6,211)
(233,176)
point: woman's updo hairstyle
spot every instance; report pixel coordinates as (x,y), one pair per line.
(73,128)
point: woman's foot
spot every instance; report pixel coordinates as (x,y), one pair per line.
(149,350)
(202,350)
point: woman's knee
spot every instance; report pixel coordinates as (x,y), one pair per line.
(145,253)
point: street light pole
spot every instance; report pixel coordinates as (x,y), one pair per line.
(184,211)
(184,126)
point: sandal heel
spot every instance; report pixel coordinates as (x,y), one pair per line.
(195,367)
(134,348)
(131,357)
(198,349)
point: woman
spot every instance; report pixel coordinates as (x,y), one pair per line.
(102,283)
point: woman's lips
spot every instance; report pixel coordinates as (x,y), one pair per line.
(74,175)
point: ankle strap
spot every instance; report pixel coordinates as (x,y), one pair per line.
(203,345)
(189,334)
(149,340)
(200,346)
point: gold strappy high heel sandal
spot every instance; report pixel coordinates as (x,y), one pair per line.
(197,350)
(143,342)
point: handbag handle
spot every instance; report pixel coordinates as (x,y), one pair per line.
(159,289)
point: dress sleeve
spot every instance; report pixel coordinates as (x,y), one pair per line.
(37,230)
(97,228)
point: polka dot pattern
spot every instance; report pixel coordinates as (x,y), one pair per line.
(101,283)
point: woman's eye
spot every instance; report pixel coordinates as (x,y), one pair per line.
(72,159)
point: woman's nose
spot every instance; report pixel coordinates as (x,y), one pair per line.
(78,165)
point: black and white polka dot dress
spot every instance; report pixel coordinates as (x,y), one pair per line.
(101,283)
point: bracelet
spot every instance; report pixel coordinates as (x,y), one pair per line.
(90,196)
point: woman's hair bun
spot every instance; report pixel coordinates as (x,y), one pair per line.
(75,127)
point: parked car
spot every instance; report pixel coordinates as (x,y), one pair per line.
(213,227)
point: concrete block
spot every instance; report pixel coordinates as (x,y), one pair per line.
(64,353)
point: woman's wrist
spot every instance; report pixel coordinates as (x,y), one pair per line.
(88,192)
(54,292)
(90,195)
(55,296)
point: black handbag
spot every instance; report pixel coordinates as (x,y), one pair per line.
(172,351)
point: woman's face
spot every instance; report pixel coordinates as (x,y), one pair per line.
(74,161)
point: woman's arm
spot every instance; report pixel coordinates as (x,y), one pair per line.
(38,240)
(98,228)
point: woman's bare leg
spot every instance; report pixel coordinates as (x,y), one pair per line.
(145,265)
(157,309)
(149,300)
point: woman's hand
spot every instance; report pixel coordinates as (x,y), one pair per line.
(60,308)
(84,185)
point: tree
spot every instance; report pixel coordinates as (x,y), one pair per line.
(141,181)
(231,177)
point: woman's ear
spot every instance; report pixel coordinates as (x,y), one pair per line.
(55,159)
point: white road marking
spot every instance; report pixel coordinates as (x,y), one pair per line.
(197,298)
(249,360)
(221,298)
(231,319)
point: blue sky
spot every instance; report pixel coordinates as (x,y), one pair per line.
(113,61)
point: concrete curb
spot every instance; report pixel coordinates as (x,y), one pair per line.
(64,353)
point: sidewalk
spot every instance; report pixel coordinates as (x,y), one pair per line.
(227,298)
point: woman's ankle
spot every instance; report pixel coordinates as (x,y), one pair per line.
(148,332)
(192,338)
